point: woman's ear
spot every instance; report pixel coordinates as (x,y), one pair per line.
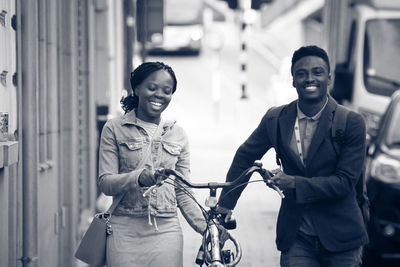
(135,91)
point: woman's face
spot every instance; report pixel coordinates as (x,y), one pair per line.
(154,93)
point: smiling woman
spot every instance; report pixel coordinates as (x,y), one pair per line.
(146,229)
(154,95)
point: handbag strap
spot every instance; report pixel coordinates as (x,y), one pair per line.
(140,165)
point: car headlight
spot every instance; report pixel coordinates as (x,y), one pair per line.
(386,169)
(196,35)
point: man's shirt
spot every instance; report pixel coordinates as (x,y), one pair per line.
(306,128)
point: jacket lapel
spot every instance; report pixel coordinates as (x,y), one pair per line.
(323,129)
(286,124)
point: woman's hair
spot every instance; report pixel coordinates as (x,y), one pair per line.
(138,75)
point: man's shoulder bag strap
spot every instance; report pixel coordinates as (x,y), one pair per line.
(338,132)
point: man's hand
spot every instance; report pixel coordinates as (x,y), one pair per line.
(283,181)
(269,182)
(147,178)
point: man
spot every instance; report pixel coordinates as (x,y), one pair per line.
(319,222)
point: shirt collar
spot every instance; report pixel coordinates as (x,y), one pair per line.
(131,118)
(301,115)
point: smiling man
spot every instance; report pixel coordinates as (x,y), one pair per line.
(319,222)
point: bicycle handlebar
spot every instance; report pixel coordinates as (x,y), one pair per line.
(257,167)
(163,174)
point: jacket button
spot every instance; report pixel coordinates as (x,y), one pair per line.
(154,190)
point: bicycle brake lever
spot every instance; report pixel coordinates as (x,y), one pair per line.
(280,192)
(159,182)
(145,193)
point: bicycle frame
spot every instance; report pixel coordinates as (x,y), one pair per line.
(212,255)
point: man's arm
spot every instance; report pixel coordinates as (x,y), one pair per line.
(252,149)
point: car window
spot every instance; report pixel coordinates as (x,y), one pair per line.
(393,133)
(381,59)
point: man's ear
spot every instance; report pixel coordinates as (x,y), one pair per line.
(294,83)
(135,91)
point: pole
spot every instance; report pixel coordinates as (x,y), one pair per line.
(29,59)
(243,60)
(244,5)
(142,15)
(214,42)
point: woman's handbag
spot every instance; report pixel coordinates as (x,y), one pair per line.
(92,248)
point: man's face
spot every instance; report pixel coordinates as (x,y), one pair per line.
(311,78)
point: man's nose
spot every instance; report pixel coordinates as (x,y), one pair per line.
(310,77)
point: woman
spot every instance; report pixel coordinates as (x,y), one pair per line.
(146,230)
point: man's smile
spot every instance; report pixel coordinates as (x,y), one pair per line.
(311,88)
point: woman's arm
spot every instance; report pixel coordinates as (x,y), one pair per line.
(110,181)
(190,210)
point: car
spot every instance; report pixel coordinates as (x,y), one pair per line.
(183,28)
(383,187)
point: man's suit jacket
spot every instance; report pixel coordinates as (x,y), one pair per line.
(325,186)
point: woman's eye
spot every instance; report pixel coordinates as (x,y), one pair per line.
(152,87)
(167,90)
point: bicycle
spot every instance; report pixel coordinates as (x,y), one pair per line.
(210,251)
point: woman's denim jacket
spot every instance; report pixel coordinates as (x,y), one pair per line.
(123,143)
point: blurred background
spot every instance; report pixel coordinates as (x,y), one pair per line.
(64,66)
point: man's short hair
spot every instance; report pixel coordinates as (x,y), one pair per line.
(311,50)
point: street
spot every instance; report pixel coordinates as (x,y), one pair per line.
(217,121)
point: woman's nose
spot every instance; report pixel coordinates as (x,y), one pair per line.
(159,93)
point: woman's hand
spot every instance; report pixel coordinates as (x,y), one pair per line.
(147,178)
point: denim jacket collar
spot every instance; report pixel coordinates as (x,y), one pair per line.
(130,118)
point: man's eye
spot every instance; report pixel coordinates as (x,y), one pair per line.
(318,72)
(152,87)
